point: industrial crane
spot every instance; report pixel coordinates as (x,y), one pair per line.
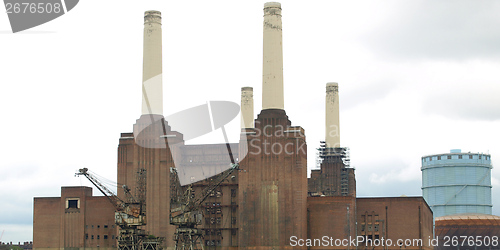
(185,209)
(130,214)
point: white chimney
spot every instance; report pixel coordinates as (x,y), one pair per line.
(247,107)
(152,90)
(332,128)
(272,70)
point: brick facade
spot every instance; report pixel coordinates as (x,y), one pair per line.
(75,220)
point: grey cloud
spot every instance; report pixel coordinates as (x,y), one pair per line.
(445,30)
(471,104)
(16,212)
(366,93)
(392,188)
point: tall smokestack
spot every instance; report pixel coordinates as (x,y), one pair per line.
(332,126)
(247,107)
(272,70)
(152,90)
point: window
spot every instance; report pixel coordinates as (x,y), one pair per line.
(219,220)
(376,227)
(449,157)
(105,226)
(98,226)
(377,236)
(92,237)
(233,220)
(470,157)
(369,227)
(233,192)
(105,237)
(439,158)
(98,236)
(430,158)
(219,210)
(460,157)
(479,157)
(72,203)
(86,236)
(362,227)
(113,237)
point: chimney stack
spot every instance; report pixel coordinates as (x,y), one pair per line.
(272,70)
(152,90)
(247,107)
(332,124)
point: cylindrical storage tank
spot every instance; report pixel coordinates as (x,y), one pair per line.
(467,231)
(457,183)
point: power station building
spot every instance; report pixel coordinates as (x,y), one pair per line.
(457,182)
(269,204)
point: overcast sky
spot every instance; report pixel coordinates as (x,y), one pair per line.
(415,78)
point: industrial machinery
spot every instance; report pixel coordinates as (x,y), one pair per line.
(130,214)
(185,208)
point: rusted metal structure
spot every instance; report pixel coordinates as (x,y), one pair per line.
(130,215)
(186,209)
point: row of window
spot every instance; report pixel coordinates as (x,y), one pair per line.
(218,220)
(99,226)
(459,157)
(213,232)
(217,210)
(370,227)
(208,204)
(369,218)
(218,232)
(98,237)
(218,193)
(212,243)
